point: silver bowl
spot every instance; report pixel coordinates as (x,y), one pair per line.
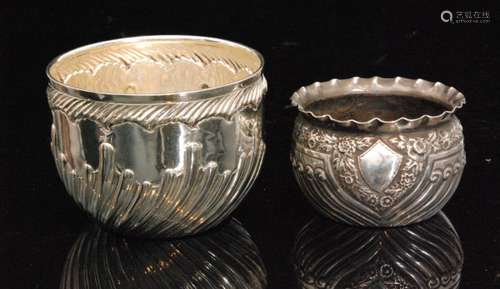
(378,151)
(223,258)
(335,256)
(158,136)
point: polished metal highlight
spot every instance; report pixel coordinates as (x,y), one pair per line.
(331,255)
(158,136)
(224,258)
(376,151)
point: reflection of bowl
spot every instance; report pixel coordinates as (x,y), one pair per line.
(332,255)
(158,136)
(376,151)
(224,258)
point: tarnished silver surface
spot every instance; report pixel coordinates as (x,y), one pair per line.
(224,258)
(158,136)
(331,255)
(382,167)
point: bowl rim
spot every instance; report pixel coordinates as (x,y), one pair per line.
(188,95)
(450,98)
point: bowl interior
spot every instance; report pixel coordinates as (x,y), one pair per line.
(155,65)
(364,107)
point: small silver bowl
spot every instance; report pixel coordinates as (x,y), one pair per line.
(226,258)
(378,151)
(158,136)
(330,255)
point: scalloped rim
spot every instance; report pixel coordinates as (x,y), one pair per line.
(432,91)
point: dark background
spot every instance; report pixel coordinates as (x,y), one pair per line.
(301,44)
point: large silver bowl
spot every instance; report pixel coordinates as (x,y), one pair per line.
(158,136)
(378,151)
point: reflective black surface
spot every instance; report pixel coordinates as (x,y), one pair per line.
(301,44)
(423,255)
(225,257)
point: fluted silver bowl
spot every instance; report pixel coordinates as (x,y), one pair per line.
(378,151)
(329,255)
(158,136)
